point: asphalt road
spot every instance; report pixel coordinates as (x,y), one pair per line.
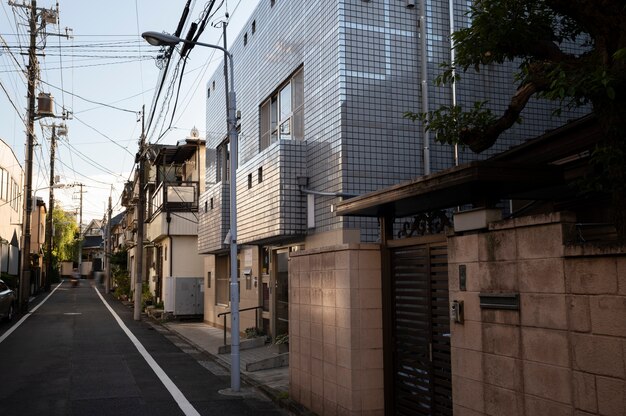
(72,357)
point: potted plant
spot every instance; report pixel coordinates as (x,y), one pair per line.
(282,341)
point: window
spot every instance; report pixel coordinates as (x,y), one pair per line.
(282,114)
(222,292)
(253,26)
(208,280)
(260,174)
(2,183)
(223,161)
(249,180)
(245,39)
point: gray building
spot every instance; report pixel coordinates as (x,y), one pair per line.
(322,88)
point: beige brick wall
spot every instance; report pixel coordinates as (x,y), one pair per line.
(564,351)
(335,330)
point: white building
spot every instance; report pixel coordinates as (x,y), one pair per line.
(11,184)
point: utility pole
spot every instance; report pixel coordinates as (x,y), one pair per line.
(46,16)
(108,250)
(53,144)
(24,287)
(80,231)
(141,203)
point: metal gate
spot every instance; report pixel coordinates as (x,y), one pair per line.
(422,381)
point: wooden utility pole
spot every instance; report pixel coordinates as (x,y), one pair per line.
(108,251)
(49,223)
(80,231)
(141,203)
(24,288)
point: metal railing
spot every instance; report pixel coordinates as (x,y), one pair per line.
(256,317)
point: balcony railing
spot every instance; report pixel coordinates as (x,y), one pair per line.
(174,196)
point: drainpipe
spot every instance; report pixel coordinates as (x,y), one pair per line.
(453,85)
(169,220)
(320,193)
(424,82)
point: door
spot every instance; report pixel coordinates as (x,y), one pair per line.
(420,331)
(280,277)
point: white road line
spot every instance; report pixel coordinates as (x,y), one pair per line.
(25,317)
(178,396)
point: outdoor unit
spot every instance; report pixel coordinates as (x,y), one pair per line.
(184,295)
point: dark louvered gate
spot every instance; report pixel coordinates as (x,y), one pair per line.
(421,330)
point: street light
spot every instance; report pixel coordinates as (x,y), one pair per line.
(164,39)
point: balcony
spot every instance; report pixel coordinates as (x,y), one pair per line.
(270,206)
(174,197)
(172,210)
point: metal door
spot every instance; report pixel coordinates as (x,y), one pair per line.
(422,381)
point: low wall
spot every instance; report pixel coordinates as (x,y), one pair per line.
(563,352)
(335,330)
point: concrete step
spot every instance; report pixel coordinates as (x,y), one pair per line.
(244,344)
(280,360)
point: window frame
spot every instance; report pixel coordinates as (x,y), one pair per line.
(277,122)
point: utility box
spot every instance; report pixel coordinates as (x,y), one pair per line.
(184,295)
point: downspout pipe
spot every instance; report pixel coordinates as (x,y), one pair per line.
(320,193)
(452,59)
(424,82)
(169,220)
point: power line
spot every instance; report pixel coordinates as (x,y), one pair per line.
(88,100)
(103,135)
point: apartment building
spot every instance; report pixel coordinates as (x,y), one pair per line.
(322,88)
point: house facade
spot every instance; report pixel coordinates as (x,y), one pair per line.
(173,267)
(92,248)
(37,241)
(11,210)
(322,88)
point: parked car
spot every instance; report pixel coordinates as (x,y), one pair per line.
(7,302)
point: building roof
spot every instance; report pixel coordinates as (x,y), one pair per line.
(117,219)
(92,242)
(177,154)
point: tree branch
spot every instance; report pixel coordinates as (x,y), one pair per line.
(479,140)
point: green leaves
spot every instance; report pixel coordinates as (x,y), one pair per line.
(449,122)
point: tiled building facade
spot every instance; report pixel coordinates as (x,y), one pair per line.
(322,88)
(360,64)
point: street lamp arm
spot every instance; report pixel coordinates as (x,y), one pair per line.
(165,39)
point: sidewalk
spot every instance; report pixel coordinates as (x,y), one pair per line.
(204,337)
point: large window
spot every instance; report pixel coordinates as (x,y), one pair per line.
(282,114)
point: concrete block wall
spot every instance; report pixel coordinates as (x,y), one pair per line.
(564,351)
(335,330)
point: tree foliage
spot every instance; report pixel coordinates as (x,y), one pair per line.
(65,228)
(538,35)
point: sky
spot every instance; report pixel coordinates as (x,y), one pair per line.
(103,75)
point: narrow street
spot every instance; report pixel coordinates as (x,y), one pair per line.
(70,356)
